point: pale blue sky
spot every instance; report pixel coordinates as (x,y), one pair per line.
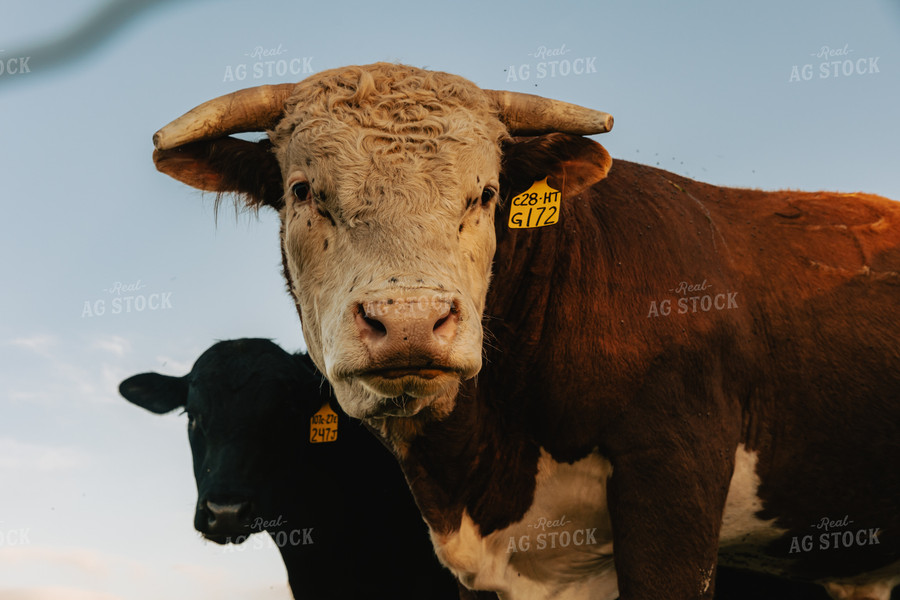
(100,491)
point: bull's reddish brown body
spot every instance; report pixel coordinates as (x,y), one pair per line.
(797,362)
(805,371)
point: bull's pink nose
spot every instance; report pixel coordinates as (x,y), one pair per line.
(404,324)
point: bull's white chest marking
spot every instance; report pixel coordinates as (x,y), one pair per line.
(739,523)
(743,535)
(562,547)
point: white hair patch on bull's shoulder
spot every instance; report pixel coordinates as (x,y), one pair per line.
(739,522)
(743,535)
(561,549)
(519,565)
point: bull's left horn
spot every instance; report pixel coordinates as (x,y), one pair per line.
(251,109)
(527,114)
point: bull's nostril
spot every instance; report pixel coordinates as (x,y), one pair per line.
(440,322)
(445,327)
(372,323)
(376,325)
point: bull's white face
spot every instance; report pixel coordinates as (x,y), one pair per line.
(388,240)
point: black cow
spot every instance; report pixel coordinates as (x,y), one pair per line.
(339,510)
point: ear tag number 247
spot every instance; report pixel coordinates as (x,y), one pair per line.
(323,426)
(535,207)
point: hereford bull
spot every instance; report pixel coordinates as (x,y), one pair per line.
(327,493)
(683,373)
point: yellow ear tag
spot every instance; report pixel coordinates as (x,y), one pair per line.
(537,206)
(323,426)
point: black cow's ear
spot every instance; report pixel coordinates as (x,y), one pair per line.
(316,390)
(306,367)
(573,163)
(227,166)
(157,393)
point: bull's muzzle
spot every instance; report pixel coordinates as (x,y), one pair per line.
(409,340)
(420,326)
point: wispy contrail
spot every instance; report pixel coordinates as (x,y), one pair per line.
(80,41)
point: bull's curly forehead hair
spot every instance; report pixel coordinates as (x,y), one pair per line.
(396,103)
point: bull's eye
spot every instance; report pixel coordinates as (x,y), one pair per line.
(488,194)
(301,190)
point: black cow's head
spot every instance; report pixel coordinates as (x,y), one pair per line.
(248,404)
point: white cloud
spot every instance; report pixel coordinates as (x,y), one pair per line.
(69,370)
(114,344)
(55,593)
(209,577)
(89,562)
(77,569)
(17,455)
(41,343)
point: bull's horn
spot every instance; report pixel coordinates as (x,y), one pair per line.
(251,109)
(527,114)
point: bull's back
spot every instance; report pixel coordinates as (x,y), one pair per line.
(810,281)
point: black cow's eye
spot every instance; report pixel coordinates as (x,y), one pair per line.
(301,190)
(488,194)
(193,420)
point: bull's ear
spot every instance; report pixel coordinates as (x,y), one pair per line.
(227,166)
(157,393)
(572,162)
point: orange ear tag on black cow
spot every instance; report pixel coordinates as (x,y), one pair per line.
(323,426)
(537,206)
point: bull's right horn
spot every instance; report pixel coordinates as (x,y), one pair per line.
(251,109)
(527,114)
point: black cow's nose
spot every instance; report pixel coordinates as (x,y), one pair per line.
(227,518)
